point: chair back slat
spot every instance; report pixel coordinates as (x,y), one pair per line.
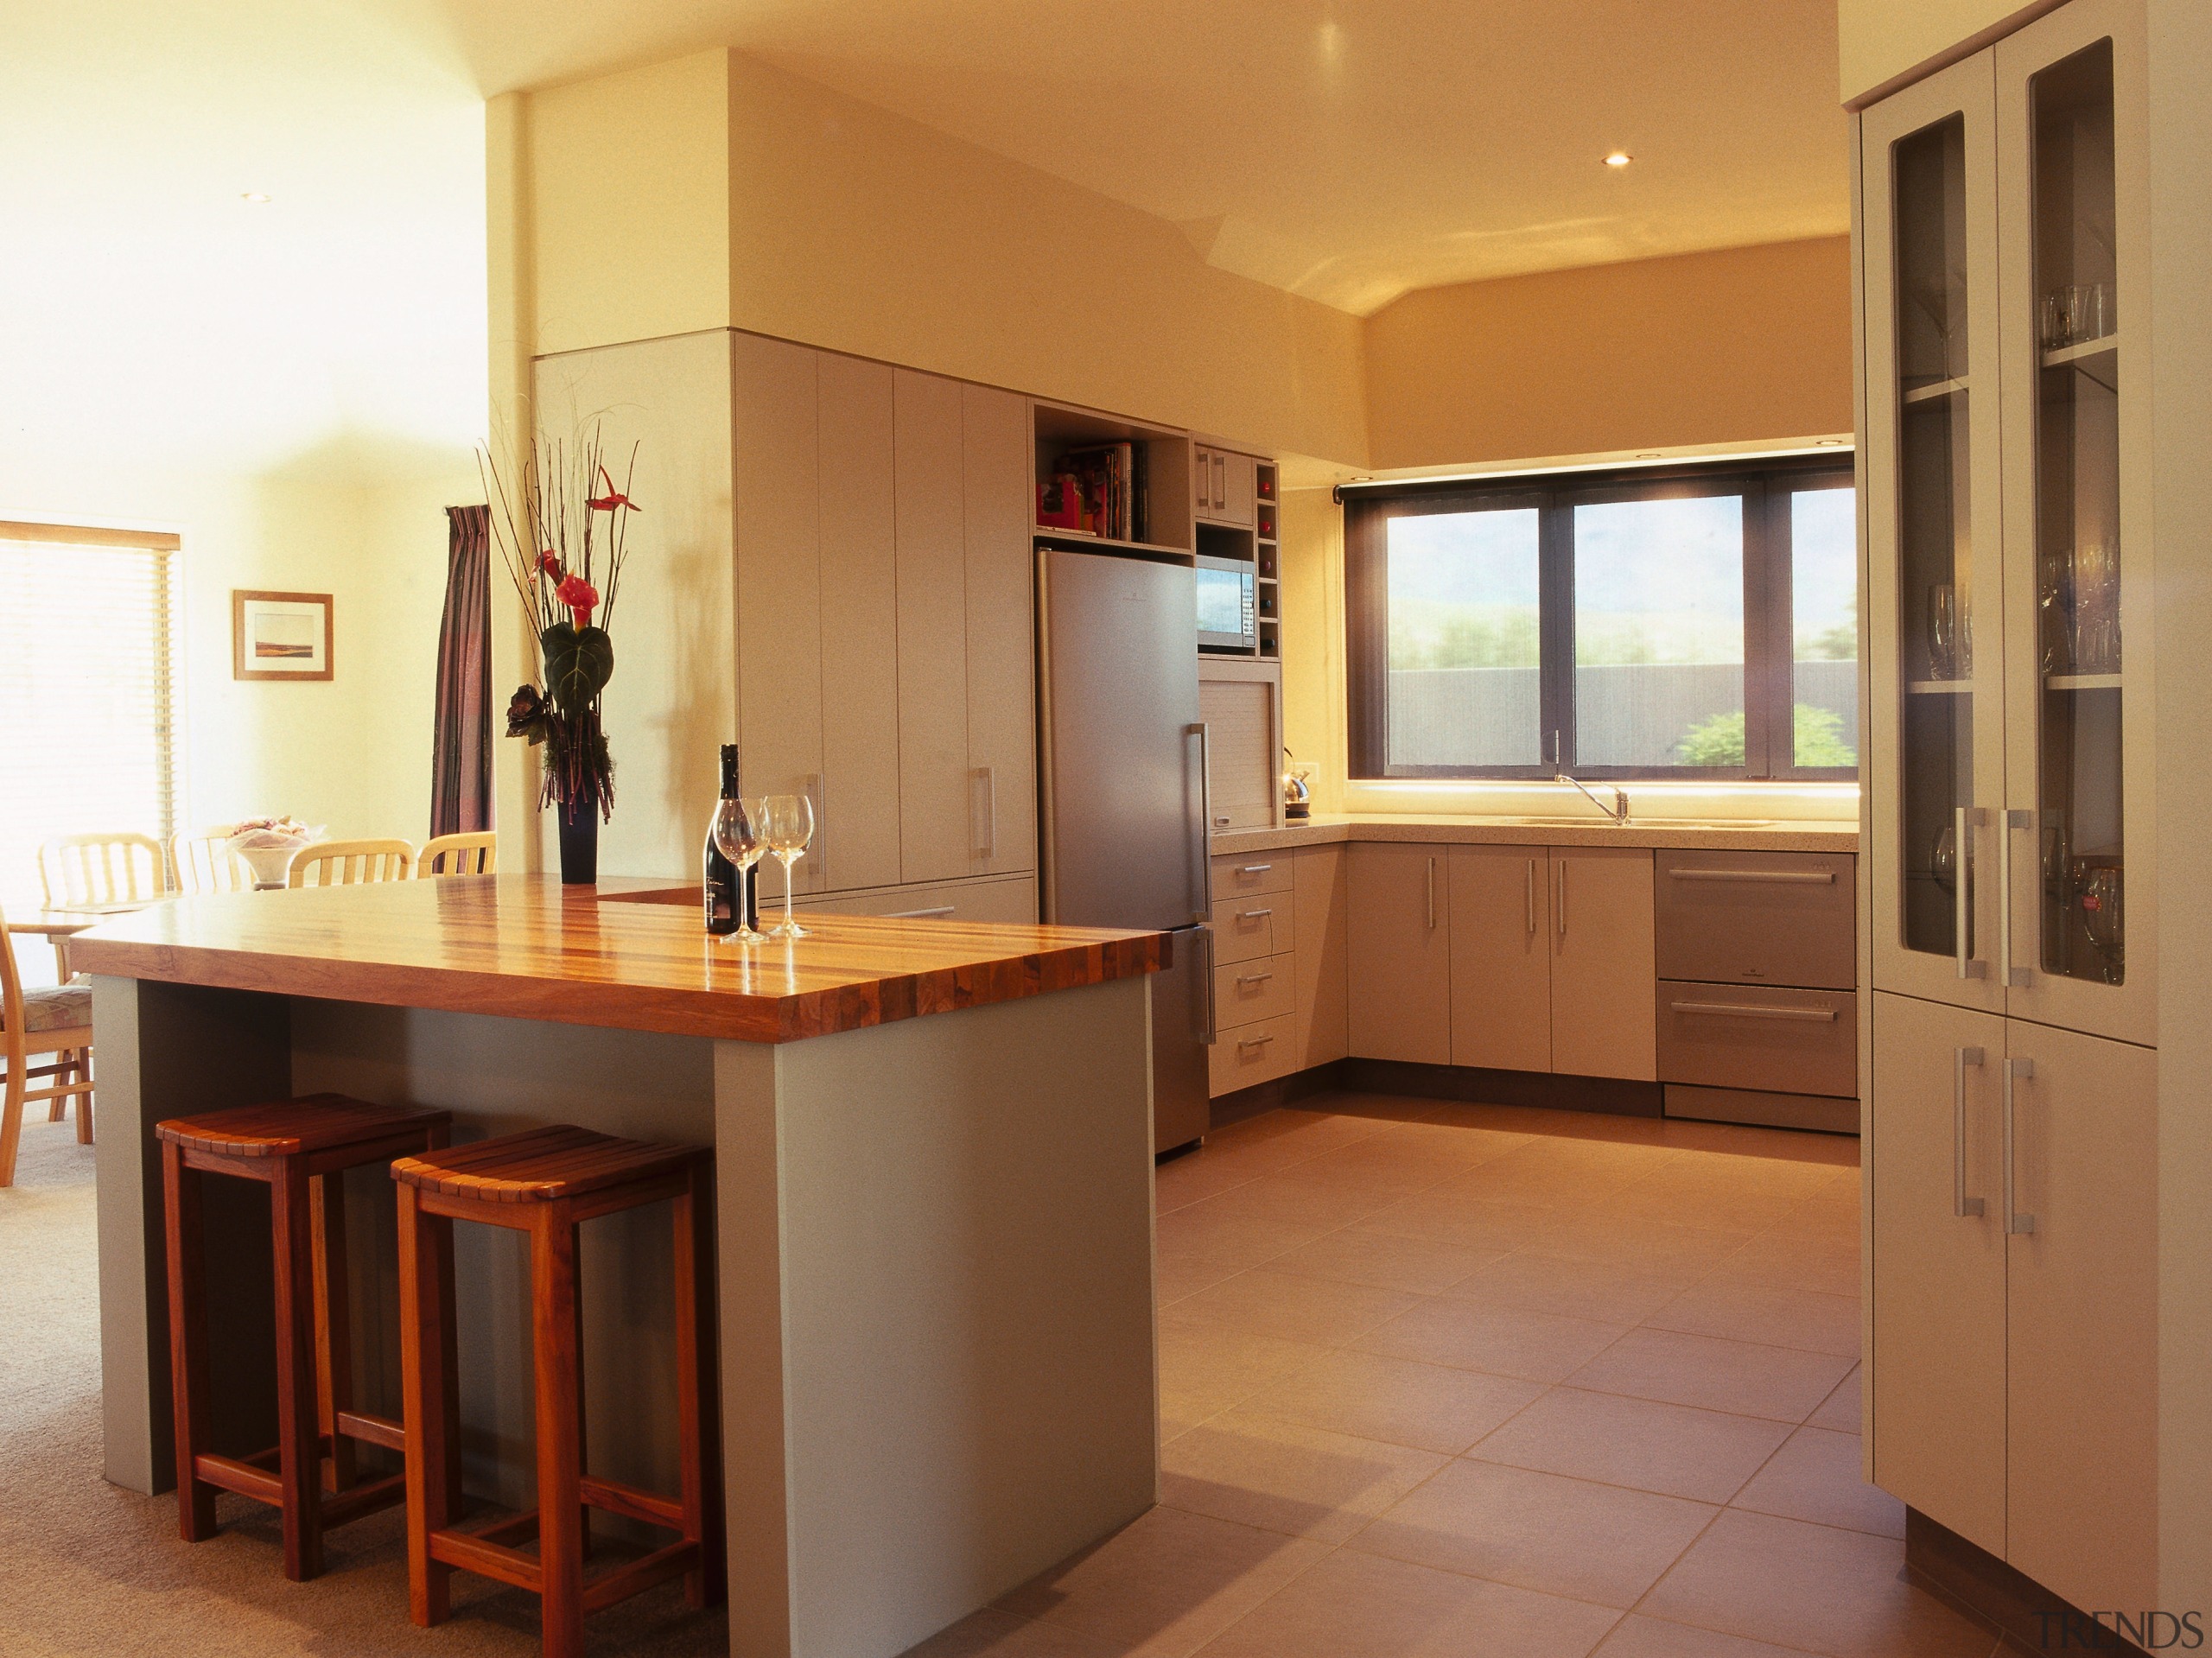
(473,854)
(347,863)
(200,861)
(117,866)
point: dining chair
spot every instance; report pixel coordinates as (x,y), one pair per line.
(77,872)
(200,861)
(53,1021)
(459,855)
(343,863)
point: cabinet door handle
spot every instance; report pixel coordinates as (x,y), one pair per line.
(918,915)
(1775,877)
(1558,898)
(1431,895)
(1254,915)
(2014,1220)
(987,843)
(1254,868)
(1964,821)
(1530,898)
(1220,482)
(1254,978)
(1755,1010)
(2009,819)
(1244,1042)
(1963,1207)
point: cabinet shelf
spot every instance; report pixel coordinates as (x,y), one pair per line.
(1940,686)
(1938,389)
(1078,539)
(2097,360)
(2081,681)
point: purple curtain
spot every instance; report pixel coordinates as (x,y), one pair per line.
(460,749)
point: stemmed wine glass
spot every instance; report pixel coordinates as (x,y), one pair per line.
(738,833)
(787,827)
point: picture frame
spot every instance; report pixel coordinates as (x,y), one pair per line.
(280,635)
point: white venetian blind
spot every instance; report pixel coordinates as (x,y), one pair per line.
(86,684)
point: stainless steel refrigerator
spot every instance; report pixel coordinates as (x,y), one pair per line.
(1122,778)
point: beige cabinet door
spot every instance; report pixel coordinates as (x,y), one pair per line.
(775,407)
(1605,972)
(1238,490)
(1399,952)
(997,465)
(1321,927)
(928,503)
(2083,1331)
(856,844)
(1501,957)
(1243,742)
(1937,1361)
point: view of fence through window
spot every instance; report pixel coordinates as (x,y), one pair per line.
(1824,624)
(1464,647)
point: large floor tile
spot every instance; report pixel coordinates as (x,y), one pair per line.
(1654,1200)
(1843,1412)
(1291,1307)
(1816,1588)
(1165,1585)
(1362,1606)
(1816,1476)
(1195,1175)
(1307,1195)
(1504,1341)
(1762,1312)
(992,1634)
(1204,1369)
(1829,1266)
(1637,1636)
(1175,1276)
(1568,1537)
(1213,1229)
(1356,1255)
(1399,1401)
(1784,1383)
(1452,1217)
(1280,1476)
(1670,1449)
(1579,1289)
(1657,1246)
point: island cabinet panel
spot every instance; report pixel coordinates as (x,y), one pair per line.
(1501,957)
(1604,971)
(1399,947)
(856,843)
(996,462)
(1322,928)
(776,439)
(935,796)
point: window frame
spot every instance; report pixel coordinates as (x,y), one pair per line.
(1769,656)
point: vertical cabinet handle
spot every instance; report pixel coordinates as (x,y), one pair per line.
(1964,821)
(1220,482)
(2015,1070)
(1558,898)
(1431,895)
(1203,910)
(810,786)
(986,840)
(2007,821)
(1531,897)
(1962,1206)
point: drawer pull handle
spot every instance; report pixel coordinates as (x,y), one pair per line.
(918,915)
(1254,978)
(1779,877)
(1753,1010)
(1254,915)
(1244,1042)
(1254,868)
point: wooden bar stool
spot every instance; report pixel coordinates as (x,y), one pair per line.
(546,1182)
(294,1148)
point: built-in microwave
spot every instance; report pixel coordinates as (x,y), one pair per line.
(1227,619)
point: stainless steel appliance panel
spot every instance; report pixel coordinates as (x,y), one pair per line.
(1759,918)
(1181,1102)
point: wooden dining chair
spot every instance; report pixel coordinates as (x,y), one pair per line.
(459,855)
(344,863)
(200,861)
(53,1022)
(79,872)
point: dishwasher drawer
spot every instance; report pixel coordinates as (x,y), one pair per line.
(1750,1036)
(1757,918)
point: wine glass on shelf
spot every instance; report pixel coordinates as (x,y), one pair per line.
(1942,632)
(787,827)
(2104,917)
(737,833)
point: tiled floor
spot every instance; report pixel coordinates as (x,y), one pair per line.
(1449,1381)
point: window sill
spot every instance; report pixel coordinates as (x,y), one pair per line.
(1648,803)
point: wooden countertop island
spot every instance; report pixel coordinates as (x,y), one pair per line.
(934,1169)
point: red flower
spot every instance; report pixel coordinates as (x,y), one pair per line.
(550,561)
(612,499)
(580,597)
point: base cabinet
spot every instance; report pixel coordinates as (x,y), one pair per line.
(1400,950)
(1604,970)
(1502,957)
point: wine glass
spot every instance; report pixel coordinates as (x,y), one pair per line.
(737,832)
(2104,917)
(787,826)
(1942,632)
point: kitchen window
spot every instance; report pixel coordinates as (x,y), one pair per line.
(1694,623)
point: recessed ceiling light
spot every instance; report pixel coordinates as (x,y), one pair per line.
(1619,158)
(255,196)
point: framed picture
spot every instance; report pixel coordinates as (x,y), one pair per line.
(280,635)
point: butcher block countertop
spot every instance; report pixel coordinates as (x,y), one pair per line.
(617,955)
(1807,835)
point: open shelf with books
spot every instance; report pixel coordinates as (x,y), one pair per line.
(1103,479)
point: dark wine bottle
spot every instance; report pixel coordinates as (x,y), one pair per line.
(728,892)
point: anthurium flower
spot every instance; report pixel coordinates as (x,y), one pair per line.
(580,597)
(612,499)
(550,561)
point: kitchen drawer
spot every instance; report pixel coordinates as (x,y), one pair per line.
(1263,988)
(1757,918)
(964,900)
(1246,927)
(1259,872)
(1244,1054)
(1756,1037)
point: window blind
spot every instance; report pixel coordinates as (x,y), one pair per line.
(87,676)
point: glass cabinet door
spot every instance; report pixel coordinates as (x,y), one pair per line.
(2074,549)
(1934,589)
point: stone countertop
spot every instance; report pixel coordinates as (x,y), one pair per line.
(1809,835)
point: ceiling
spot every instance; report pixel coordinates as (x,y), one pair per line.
(1347,150)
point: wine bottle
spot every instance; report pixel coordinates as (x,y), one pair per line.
(728,892)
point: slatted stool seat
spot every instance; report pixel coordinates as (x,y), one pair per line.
(297,1148)
(546,1182)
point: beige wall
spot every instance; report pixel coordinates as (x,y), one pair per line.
(1744,345)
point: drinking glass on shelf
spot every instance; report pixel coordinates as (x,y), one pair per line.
(2055,607)
(737,832)
(2103,915)
(1942,632)
(787,826)
(1943,861)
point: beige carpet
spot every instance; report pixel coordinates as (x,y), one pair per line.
(88,1570)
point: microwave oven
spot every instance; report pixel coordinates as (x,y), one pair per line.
(1227,602)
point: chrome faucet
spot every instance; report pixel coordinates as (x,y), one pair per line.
(1618,811)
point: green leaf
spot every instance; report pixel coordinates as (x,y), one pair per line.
(578,664)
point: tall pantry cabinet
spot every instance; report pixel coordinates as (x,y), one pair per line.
(2012,1102)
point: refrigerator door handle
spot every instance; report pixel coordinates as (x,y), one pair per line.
(1213,1012)
(1204,911)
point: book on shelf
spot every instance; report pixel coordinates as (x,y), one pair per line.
(1098,491)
